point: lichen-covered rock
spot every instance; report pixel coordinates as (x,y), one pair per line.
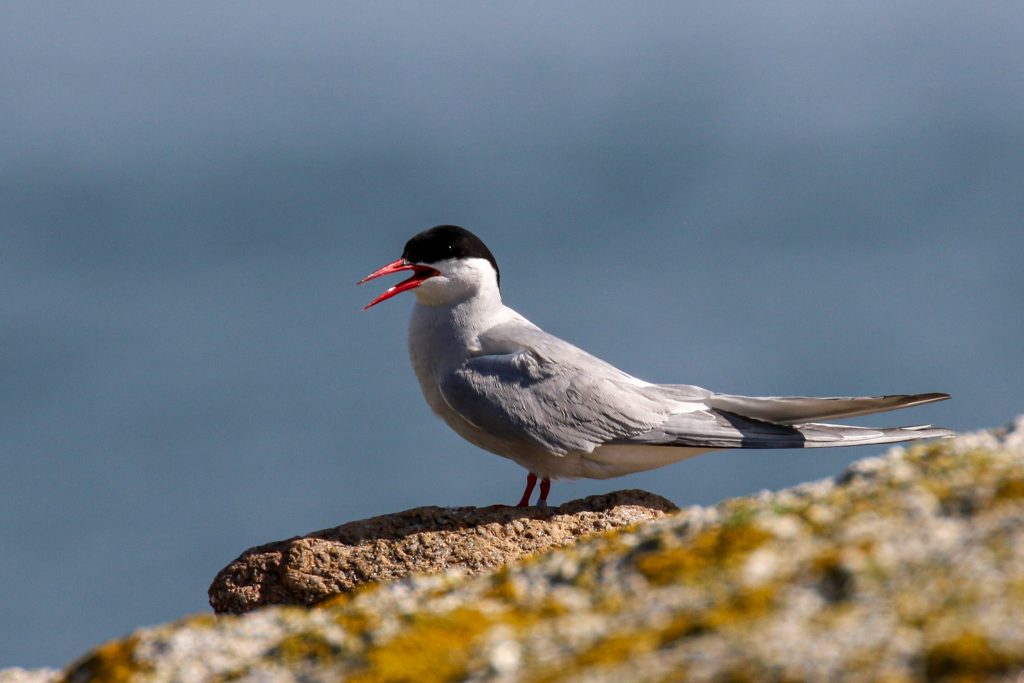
(908,567)
(306,570)
(17,675)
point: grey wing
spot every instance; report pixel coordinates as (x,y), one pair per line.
(548,393)
(537,387)
(797,409)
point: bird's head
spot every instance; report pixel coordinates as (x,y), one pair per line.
(448,263)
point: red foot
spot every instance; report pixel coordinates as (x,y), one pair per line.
(531,481)
(545,488)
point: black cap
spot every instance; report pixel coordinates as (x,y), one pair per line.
(446,242)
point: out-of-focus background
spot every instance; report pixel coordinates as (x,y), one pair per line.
(791,198)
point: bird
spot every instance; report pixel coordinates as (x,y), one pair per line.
(508,387)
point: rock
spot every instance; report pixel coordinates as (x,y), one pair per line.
(308,569)
(908,567)
(17,675)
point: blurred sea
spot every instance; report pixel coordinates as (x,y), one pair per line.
(784,199)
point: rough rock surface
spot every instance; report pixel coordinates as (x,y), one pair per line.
(907,567)
(17,675)
(308,569)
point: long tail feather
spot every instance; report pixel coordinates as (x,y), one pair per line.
(791,410)
(818,435)
(721,429)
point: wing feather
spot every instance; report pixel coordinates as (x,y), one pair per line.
(796,409)
(558,396)
(720,429)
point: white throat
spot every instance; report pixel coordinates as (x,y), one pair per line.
(461,280)
(452,309)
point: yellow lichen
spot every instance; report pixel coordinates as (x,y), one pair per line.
(619,648)
(682,625)
(1010,489)
(335,601)
(349,615)
(433,648)
(112,662)
(968,657)
(307,646)
(716,549)
(201,621)
(231,675)
(1015,590)
(739,607)
(356,623)
(501,587)
(937,458)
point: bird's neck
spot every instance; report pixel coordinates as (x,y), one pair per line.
(457,323)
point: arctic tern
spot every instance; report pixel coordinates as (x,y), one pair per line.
(509,387)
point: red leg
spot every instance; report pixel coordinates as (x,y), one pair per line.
(545,488)
(531,481)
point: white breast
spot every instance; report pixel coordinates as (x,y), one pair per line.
(441,338)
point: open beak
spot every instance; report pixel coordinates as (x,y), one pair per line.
(420,274)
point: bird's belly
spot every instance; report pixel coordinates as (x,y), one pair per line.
(610,461)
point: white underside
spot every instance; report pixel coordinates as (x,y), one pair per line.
(615,461)
(605,462)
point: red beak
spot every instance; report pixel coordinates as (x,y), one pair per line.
(420,275)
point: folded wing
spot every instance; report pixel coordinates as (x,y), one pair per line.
(530,386)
